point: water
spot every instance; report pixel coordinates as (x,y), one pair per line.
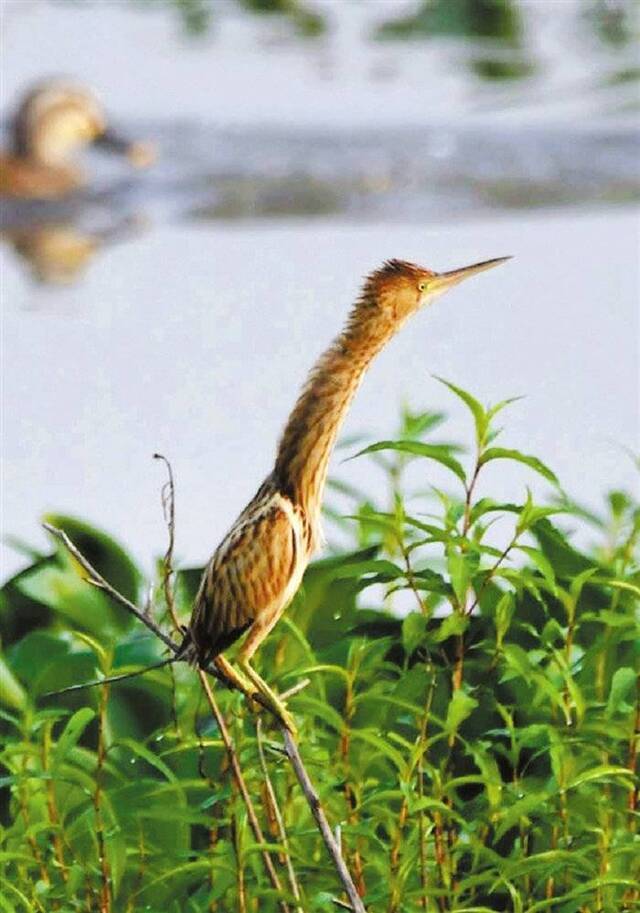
(196,296)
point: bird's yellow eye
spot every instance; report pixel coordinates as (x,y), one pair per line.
(422,285)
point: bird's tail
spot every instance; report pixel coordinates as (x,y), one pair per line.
(187,651)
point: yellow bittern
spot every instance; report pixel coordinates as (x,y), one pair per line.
(55,119)
(257,568)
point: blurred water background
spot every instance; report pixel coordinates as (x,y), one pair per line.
(295,152)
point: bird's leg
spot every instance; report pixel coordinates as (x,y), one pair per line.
(270,698)
(233,677)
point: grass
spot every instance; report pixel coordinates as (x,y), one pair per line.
(476,751)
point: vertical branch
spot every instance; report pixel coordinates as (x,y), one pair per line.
(422,742)
(139,879)
(632,762)
(52,807)
(31,840)
(105,887)
(458,669)
(349,790)
(282,833)
(168,495)
(237,851)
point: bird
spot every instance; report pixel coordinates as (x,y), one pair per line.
(258,566)
(55,119)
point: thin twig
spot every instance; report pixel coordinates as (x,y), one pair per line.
(491,572)
(98,581)
(52,806)
(296,689)
(169,511)
(313,800)
(237,849)
(282,833)
(105,874)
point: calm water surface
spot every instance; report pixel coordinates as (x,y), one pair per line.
(193,340)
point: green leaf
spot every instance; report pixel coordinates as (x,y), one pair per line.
(565,560)
(414,628)
(378,742)
(64,589)
(12,694)
(71,734)
(459,572)
(618,585)
(542,563)
(493,410)
(490,775)
(460,707)
(578,583)
(431,582)
(502,453)
(383,569)
(102,654)
(521,809)
(453,624)
(503,614)
(623,685)
(435,452)
(153,760)
(480,417)
(602,772)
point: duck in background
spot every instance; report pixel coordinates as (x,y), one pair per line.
(55,120)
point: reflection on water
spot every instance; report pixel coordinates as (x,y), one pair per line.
(41,182)
(59,253)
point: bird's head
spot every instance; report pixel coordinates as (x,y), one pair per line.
(399,288)
(58,116)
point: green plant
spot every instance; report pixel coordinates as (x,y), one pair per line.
(471,720)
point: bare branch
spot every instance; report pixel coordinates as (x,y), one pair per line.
(313,801)
(295,689)
(98,581)
(169,511)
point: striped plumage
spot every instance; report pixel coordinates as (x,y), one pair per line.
(258,566)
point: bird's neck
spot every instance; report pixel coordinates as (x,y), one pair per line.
(310,433)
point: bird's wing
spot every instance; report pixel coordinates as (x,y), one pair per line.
(250,571)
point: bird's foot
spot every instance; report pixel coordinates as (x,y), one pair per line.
(268,697)
(233,678)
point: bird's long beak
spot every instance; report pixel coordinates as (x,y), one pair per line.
(139,154)
(452,277)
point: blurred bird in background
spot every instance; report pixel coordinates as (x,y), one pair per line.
(53,122)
